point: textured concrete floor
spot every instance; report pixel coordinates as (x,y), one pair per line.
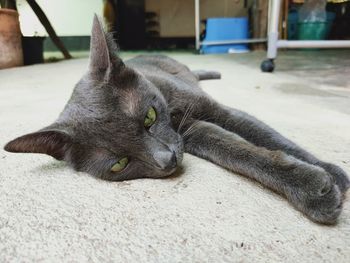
(205,214)
(330,67)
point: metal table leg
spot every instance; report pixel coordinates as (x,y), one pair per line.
(274,43)
(272,37)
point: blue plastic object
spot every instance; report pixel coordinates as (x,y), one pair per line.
(219,29)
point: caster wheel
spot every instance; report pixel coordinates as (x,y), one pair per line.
(267,65)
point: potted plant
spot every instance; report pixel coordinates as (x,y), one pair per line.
(11,54)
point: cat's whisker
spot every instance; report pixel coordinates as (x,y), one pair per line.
(181,122)
(188,112)
(193,127)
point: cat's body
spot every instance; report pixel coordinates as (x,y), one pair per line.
(135,119)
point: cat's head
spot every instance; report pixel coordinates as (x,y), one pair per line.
(116,125)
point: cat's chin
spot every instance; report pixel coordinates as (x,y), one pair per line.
(165,173)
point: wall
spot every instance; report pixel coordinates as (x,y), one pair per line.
(74,17)
(176,17)
(68,17)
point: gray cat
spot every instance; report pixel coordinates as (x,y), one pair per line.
(134,119)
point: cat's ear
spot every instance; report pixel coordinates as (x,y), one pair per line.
(103,50)
(51,142)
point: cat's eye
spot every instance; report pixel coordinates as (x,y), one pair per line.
(120,165)
(150,117)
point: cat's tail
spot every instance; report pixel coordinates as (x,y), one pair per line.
(206,74)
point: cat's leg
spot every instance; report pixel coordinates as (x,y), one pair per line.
(308,187)
(260,134)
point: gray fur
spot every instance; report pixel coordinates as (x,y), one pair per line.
(206,75)
(103,122)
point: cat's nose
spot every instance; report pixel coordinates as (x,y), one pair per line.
(172,162)
(166,160)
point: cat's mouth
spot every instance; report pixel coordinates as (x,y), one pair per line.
(166,173)
(170,173)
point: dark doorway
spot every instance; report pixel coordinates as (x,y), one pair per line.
(130,24)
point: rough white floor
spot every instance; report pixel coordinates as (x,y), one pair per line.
(50,213)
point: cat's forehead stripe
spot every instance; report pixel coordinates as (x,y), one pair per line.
(129,102)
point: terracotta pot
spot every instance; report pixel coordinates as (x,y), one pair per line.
(11,54)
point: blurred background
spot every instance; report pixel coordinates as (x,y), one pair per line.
(158,25)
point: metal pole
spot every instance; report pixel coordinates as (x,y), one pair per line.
(313,44)
(197,23)
(234,41)
(273,29)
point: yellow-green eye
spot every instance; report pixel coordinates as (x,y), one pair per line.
(150,117)
(120,165)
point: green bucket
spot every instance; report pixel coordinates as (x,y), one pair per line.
(313,30)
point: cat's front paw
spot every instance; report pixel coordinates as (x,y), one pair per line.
(340,177)
(318,196)
(324,208)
